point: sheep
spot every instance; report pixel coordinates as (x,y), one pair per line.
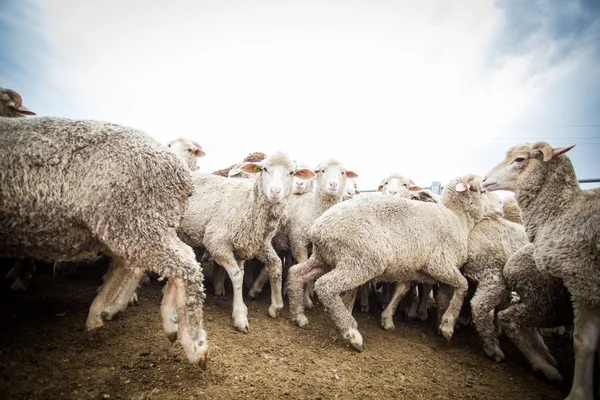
(390,239)
(235,219)
(538,300)
(425,195)
(302,210)
(563,223)
(491,242)
(188,150)
(302,186)
(351,189)
(11,104)
(397,185)
(72,188)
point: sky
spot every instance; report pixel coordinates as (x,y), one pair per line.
(431,89)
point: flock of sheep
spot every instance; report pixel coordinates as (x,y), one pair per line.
(73,189)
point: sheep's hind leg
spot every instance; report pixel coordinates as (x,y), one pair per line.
(259,283)
(168,311)
(298,275)
(488,296)
(115,294)
(424,292)
(450,275)
(328,289)
(516,322)
(387,316)
(585,343)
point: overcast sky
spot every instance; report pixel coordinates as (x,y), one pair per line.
(430,89)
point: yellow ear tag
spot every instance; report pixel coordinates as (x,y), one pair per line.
(257,168)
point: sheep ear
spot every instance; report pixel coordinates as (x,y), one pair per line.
(414,188)
(23,110)
(561,150)
(380,188)
(304,173)
(351,174)
(460,187)
(252,168)
(234,171)
(198,152)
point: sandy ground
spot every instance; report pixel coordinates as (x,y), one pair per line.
(46,353)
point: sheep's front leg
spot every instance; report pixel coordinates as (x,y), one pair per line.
(235,270)
(349,298)
(413,302)
(115,295)
(300,253)
(387,316)
(168,311)
(364,298)
(585,343)
(272,262)
(259,282)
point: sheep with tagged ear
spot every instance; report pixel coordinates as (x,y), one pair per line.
(73,188)
(383,238)
(302,210)
(188,150)
(563,223)
(235,219)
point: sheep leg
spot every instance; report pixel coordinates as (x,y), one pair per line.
(272,262)
(364,297)
(540,345)
(288,261)
(259,282)
(177,261)
(387,316)
(450,275)
(235,270)
(249,270)
(115,295)
(168,311)
(349,298)
(413,296)
(26,270)
(300,253)
(298,275)
(15,271)
(424,291)
(585,343)
(488,296)
(328,288)
(219,281)
(515,322)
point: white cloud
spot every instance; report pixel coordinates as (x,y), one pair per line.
(382,86)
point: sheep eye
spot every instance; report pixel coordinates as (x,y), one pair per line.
(291,172)
(343,172)
(190,150)
(519,159)
(405,185)
(323,171)
(264,169)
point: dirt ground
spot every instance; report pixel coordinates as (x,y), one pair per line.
(46,353)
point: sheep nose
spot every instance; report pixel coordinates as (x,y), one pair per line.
(393,191)
(333,184)
(484,179)
(275,190)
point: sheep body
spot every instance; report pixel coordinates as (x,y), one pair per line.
(390,239)
(72,188)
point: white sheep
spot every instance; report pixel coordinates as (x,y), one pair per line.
(188,150)
(302,210)
(235,219)
(389,239)
(563,223)
(73,188)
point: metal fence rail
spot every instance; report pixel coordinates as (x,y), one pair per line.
(436,187)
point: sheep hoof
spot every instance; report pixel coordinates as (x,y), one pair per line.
(301,321)
(387,324)
(172,336)
(423,316)
(364,308)
(355,339)
(241,325)
(446,331)
(308,304)
(253,293)
(274,311)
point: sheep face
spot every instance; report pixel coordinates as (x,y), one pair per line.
(332,176)
(277,173)
(303,185)
(521,162)
(397,185)
(492,204)
(188,150)
(350,190)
